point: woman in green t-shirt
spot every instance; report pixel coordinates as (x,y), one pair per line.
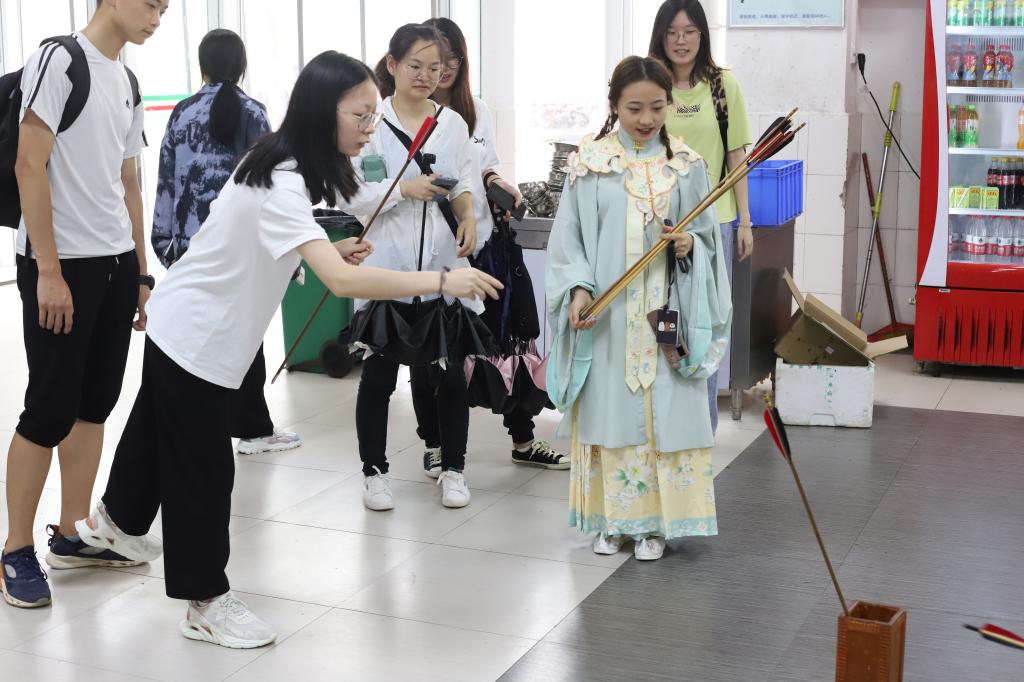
(682,41)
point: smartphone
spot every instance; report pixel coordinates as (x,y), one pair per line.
(446,182)
(505,201)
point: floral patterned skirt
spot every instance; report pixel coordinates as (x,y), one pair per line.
(640,492)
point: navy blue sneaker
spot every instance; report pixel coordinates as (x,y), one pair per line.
(65,553)
(23,580)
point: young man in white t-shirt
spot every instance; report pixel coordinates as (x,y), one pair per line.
(82,276)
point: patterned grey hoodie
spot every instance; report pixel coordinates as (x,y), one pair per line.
(194,167)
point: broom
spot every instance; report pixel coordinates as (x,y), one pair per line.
(895,328)
(428,127)
(772,141)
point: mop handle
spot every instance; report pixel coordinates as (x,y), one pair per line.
(876,211)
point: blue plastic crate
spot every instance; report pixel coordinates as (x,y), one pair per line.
(776,190)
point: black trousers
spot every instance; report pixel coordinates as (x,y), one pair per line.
(519,423)
(175,454)
(443,390)
(248,412)
(77,376)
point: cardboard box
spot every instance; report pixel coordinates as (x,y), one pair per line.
(991,199)
(825,374)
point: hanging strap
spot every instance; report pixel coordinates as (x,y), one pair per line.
(443,203)
(722,114)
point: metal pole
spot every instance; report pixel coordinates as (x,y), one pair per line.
(188,57)
(876,211)
(302,50)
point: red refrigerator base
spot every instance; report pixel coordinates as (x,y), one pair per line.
(970,327)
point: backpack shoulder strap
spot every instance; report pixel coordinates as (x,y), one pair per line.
(78,74)
(134,81)
(722,114)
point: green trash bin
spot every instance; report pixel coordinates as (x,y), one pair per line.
(319,350)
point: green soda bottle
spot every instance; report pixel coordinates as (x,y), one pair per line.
(953,13)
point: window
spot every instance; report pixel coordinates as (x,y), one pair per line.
(331,25)
(466,13)
(271,35)
(39,21)
(384,18)
(560,90)
(642,21)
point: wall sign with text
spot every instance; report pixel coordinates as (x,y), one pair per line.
(786,13)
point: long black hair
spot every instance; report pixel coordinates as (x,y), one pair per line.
(634,70)
(401,43)
(461,98)
(704,67)
(309,132)
(222,61)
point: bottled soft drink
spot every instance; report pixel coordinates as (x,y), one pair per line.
(1004,67)
(994,176)
(1009,186)
(1004,241)
(989,232)
(970,65)
(954,64)
(1018,242)
(972,127)
(1000,13)
(1018,178)
(953,13)
(1018,13)
(956,237)
(983,12)
(988,67)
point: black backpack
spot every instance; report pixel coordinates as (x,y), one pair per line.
(11,98)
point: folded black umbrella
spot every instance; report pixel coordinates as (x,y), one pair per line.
(508,383)
(418,333)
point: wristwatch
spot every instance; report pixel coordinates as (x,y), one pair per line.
(148,281)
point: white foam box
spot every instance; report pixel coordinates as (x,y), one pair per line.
(825,370)
(825,395)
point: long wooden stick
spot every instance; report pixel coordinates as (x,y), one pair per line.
(740,172)
(817,536)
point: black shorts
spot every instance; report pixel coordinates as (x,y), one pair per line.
(77,376)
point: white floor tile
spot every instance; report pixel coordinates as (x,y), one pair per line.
(311,565)
(897,383)
(263,490)
(326,448)
(553,484)
(74,592)
(489,466)
(348,645)
(989,397)
(137,633)
(457,587)
(418,515)
(18,666)
(530,527)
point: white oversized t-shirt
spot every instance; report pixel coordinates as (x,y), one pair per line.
(211,312)
(89,214)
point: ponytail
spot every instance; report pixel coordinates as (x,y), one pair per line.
(225,113)
(385,81)
(663,135)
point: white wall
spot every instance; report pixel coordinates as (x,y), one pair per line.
(892,37)
(811,69)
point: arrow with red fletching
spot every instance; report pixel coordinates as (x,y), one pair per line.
(426,130)
(999,635)
(778,431)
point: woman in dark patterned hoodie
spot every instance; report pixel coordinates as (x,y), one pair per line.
(207,135)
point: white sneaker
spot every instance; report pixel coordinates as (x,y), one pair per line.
(649,549)
(105,534)
(454,491)
(432,462)
(377,495)
(608,544)
(226,621)
(281,440)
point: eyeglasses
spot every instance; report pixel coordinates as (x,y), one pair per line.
(453,63)
(430,74)
(688,34)
(366,121)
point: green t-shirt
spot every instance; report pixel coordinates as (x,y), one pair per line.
(692,117)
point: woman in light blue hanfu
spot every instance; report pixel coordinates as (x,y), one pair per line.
(640,427)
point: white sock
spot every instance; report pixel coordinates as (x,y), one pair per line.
(523,448)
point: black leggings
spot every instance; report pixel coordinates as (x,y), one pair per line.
(444,390)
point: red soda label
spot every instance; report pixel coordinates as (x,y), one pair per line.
(970,61)
(1018,248)
(988,65)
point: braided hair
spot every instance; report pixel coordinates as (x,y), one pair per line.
(634,70)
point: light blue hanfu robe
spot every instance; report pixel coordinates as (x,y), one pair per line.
(641,430)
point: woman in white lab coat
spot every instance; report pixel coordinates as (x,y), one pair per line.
(408,74)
